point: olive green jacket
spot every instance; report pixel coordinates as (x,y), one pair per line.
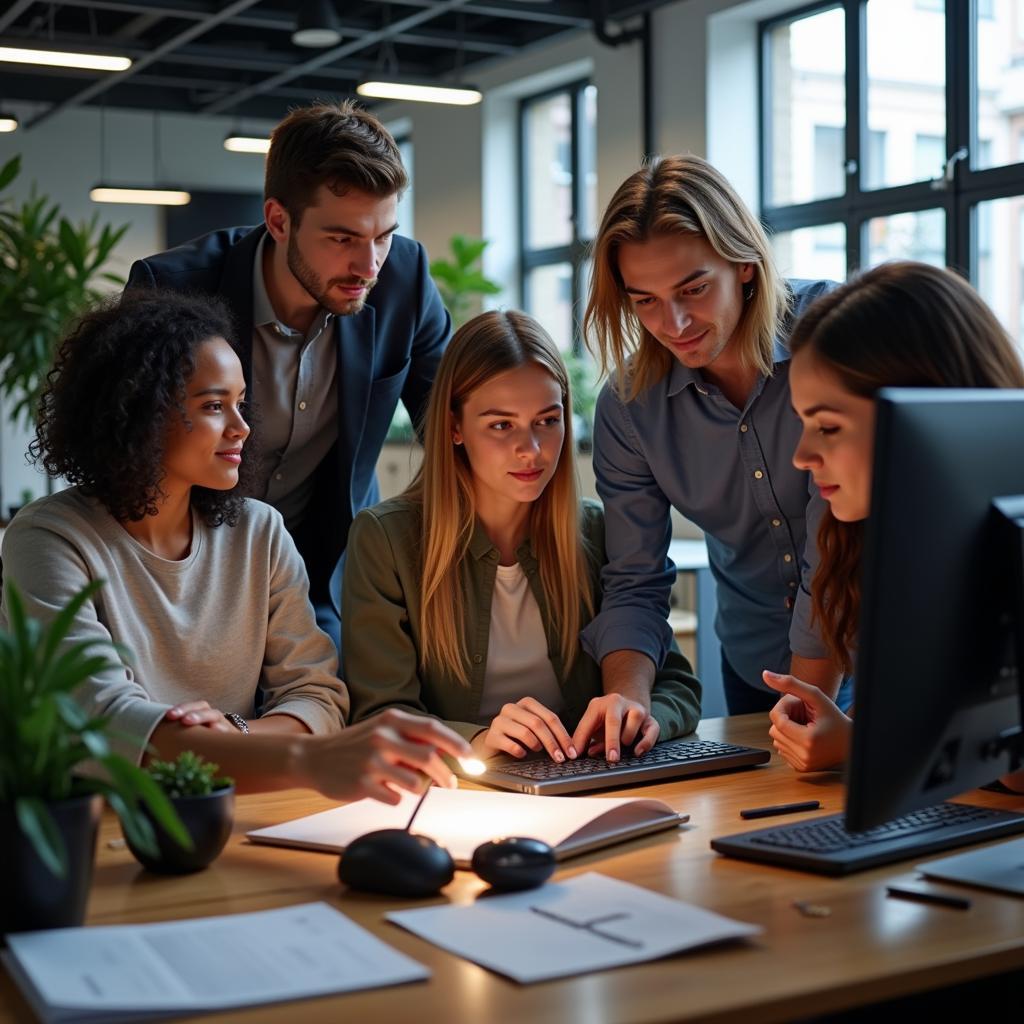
(381,638)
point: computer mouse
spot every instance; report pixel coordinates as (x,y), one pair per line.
(514,863)
(396,863)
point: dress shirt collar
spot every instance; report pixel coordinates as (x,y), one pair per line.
(681,376)
(263,311)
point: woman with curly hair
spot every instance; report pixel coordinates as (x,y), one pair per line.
(901,324)
(464,597)
(144,415)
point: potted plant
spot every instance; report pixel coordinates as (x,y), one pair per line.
(48,813)
(204,803)
(460,280)
(48,270)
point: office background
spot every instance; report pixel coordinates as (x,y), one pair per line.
(563,121)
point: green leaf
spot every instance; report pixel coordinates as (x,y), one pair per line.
(9,171)
(38,825)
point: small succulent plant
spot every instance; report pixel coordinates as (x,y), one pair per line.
(187,775)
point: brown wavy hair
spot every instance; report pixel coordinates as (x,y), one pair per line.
(901,324)
(678,195)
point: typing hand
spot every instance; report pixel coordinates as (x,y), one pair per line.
(525,726)
(808,729)
(199,712)
(613,720)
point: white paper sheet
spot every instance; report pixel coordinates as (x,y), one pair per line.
(213,963)
(587,923)
(462,819)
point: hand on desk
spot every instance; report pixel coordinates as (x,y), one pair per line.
(199,712)
(526,726)
(808,730)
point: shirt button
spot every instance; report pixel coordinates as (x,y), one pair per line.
(758,474)
(278,476)
(787,558)
(743,428)
(792,585)
(302,406)
(776,522)
(477,658)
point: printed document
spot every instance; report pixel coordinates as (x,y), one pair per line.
(131,972)
(588,923)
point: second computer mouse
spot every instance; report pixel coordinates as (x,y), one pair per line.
(514,863)
(396,863)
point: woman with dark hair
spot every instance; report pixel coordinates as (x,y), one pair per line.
(899,325)
(144,415)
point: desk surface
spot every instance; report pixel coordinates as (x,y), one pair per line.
(869,948)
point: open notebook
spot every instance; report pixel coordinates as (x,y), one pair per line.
(461,819)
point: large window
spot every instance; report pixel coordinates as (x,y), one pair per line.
(558,203)
(894,129)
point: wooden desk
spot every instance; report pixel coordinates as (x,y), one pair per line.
(870,948)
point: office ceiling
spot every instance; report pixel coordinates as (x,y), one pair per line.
(236,57)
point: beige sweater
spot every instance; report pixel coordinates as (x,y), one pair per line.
(233,615)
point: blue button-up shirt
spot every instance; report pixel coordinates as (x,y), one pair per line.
(682,443)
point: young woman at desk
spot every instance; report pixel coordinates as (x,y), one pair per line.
(899,325)
(144,414)
(463,598)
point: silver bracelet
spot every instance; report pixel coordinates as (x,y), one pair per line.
(237,721)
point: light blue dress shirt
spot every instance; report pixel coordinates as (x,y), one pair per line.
(682,443)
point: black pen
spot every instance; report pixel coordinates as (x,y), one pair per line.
(928,896)
(767,812)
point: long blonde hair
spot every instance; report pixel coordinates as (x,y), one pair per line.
(486,346)
(678,195)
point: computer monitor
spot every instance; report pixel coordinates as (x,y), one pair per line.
(938,709)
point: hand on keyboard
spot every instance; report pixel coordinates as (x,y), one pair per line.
(528,726)
(612,721)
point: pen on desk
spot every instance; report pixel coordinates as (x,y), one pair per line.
(927,896)
(767,812)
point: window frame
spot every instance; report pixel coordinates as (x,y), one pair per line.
(857,206)
(576,251)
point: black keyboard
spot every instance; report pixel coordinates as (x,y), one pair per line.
(824,846)
(671,759)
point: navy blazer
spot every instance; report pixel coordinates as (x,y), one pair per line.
(389,350)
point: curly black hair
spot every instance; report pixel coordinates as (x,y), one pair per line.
(117,384)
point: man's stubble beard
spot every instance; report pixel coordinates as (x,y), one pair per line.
(310,280)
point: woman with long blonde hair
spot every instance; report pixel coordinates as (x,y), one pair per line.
(901,324)
(463,598)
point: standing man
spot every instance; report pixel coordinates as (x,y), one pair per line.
(336,316)
(689,314)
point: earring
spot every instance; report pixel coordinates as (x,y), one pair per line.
(455,440)
(748,291)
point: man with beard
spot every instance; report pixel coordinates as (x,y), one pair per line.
(336,318)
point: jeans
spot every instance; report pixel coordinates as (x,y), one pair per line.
(743,698)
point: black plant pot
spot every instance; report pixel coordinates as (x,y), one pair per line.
(208,820)
(31,896)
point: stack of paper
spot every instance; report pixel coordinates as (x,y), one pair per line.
(588,923)
(135,972)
